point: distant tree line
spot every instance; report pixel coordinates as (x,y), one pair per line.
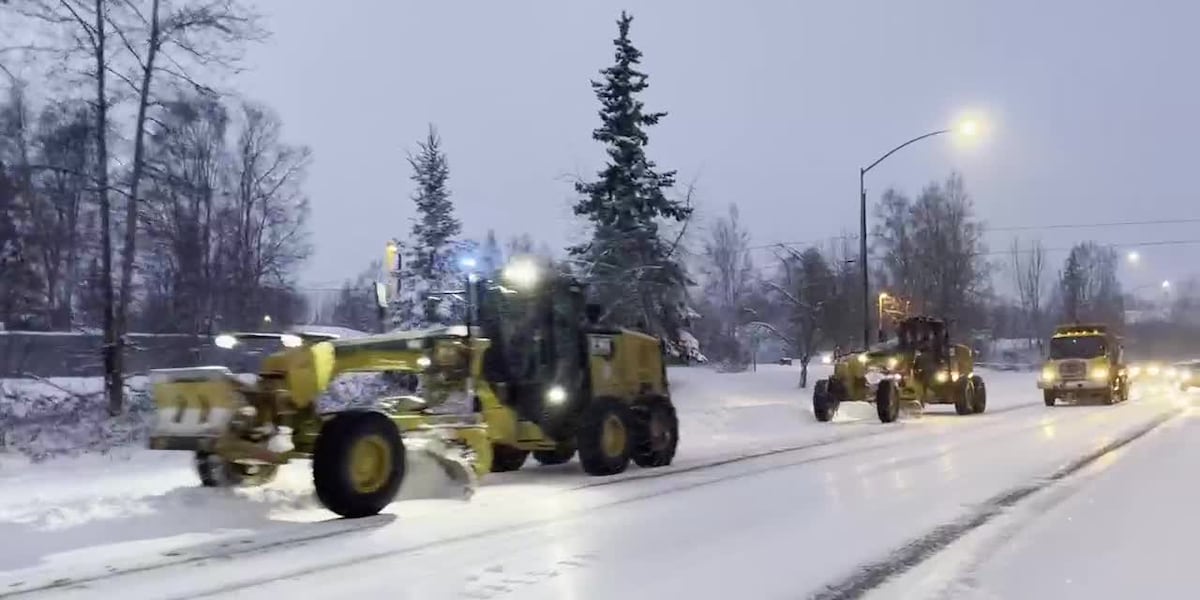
(134,193)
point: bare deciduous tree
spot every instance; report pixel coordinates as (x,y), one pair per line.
(728,282)
(1028,269)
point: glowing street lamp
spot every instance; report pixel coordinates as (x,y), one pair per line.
(967,128)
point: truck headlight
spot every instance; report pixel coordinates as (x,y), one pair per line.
(1100,373)
(1135,370)
(1048,374)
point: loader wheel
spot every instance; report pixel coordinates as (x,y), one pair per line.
(508,458)
(656,435)
(1048,397)
(964,400)
(824,406)
(562,453)
(980,403)
(604,440)
(358,463)
(215,471)
(887,401)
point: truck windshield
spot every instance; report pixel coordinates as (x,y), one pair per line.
(1088,346)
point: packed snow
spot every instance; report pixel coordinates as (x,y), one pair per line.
(758,489)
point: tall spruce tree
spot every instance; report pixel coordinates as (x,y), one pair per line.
(631,268)
(429,254)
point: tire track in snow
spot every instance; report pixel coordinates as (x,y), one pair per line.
(872,575)
(322,530)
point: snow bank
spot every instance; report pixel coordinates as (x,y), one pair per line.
(40,419)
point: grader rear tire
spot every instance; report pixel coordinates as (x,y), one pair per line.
(605,437)
(358,463)
(562,454)
(508,458)
(656,434)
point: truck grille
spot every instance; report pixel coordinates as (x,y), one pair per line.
(1072,369)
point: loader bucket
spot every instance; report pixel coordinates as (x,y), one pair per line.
(437,469)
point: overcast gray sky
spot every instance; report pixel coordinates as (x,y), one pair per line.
(774,105)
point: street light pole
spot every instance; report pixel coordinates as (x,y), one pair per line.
(969,128)
(862,257)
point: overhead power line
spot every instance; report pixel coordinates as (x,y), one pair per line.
(987,229)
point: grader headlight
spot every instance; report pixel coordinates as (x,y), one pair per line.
(522,273)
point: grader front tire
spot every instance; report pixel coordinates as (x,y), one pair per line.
(358,463)
(887,401)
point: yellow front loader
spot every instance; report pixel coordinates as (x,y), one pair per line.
(532,373)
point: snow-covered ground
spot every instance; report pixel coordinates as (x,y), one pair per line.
(760,495)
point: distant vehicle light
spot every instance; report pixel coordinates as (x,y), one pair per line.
(827,359)
(225,341)
(291,341)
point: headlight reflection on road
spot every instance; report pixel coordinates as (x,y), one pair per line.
(1047,427)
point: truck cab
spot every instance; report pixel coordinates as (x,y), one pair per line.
(1085,361)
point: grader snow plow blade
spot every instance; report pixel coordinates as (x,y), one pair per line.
(436,469)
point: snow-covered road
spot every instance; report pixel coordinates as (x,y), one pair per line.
(762,502)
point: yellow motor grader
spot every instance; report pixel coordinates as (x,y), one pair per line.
(535,370)
(919,367)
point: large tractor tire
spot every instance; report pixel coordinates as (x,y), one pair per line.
(605,437)
(656,434)
(215,471)
(358,463)
(964,397)
(561,454)
(508,458)
(980,403)
(1048,397)
(887,401)
(824,405)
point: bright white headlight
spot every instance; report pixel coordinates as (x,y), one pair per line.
(556,395)
(290,341)
(225,341)
(424,362)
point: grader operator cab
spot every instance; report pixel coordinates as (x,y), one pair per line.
(533,372)
(919,367)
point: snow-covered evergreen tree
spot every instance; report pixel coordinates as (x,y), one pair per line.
(430,254)
(633,271)
(491,256)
